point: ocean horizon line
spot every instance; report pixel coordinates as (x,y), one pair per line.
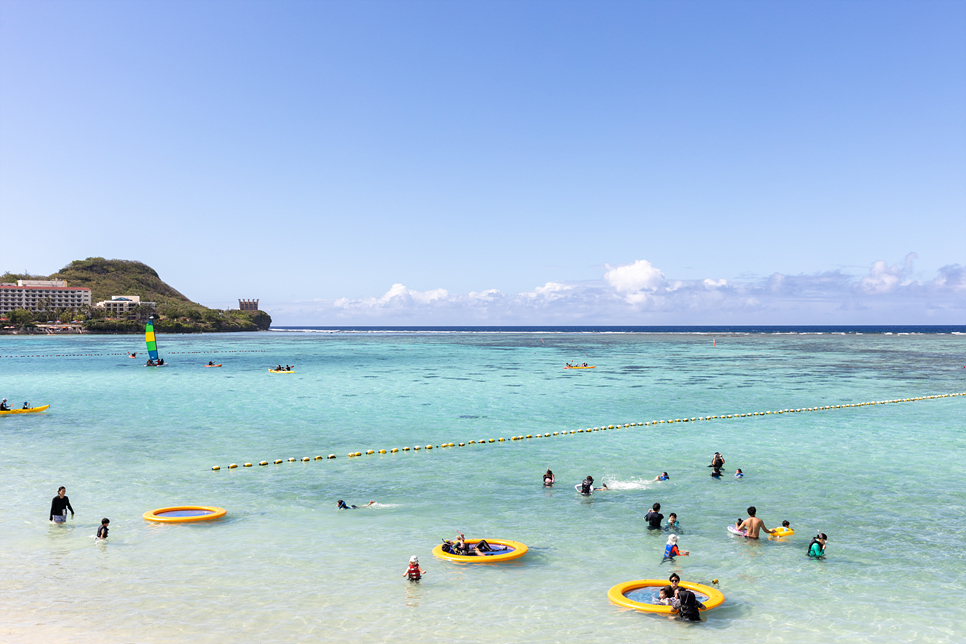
(856,329)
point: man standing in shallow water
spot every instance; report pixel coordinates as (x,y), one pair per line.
(752,525)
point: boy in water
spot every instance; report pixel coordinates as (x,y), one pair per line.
(671,550)
(414,572)
(654,517)
(672,522)
(102,531)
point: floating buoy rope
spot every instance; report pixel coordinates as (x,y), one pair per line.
(603,428)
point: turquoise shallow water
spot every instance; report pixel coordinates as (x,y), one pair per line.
(885,482)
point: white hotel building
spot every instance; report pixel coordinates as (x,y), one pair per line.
(33,295)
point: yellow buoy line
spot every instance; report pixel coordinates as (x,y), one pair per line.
(693,419)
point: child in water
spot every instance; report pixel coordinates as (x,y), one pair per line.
(414,572)
(671,551)
(672,522)
(102,531)
(739,474)
(666,597)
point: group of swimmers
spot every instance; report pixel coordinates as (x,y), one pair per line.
(459,547)
(5,407)
(152,363)
(59,506)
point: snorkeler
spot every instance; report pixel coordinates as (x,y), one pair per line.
(548,478)
(816,549)
(342,505)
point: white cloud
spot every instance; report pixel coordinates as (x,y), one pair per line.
(640,294)
(635,278)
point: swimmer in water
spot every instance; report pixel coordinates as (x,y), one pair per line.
(102,531)
(716,473)
(672,522)
(671,550)
(739,474)
(586,487)
(414,572)
(662,477)
(752,525)
(342,505)
(548,478)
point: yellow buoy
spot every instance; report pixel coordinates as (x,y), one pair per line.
(263,463)
(394,450)
(248,464)
(306,459)
(233,466)
(277,461)
(331,456)
(370,452)
(216,467)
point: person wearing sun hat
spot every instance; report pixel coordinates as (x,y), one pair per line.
(414,572)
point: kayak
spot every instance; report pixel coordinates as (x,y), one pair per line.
(282,371)
(594,367)
(211,365)
(29,410)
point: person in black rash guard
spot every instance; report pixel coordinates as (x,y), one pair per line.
(59,506)
(654,517)
(3,405)
(688,610)
(102,531)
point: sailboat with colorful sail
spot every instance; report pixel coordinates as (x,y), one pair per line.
(153,359)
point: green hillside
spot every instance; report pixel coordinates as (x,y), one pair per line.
(108,277)
(175,313)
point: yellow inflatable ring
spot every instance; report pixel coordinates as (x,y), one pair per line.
(617,595)
(185,514)
(518,551)
(781,531)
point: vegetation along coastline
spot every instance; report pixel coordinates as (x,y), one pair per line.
(172,311)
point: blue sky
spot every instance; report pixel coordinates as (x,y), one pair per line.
(498,162)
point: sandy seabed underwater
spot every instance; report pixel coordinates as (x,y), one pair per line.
(885,482)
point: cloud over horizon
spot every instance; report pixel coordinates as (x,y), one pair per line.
(640,294)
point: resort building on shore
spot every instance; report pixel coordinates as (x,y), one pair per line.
(38,295)
(120,304)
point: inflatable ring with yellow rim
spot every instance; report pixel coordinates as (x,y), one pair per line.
(617,595)
(518,550)
(185,514)
(781,531)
